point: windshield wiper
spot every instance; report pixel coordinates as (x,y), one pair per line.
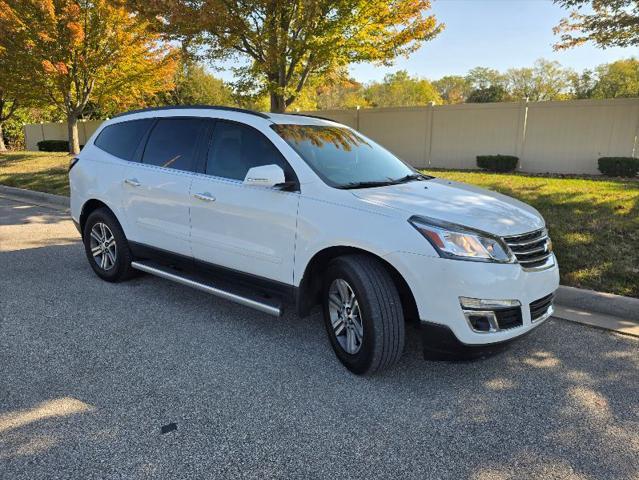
(411,177)
(379,183)
(383,183)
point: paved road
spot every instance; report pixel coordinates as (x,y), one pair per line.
(90,372)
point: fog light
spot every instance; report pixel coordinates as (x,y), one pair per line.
(480,303)
(481,314)
(482,321)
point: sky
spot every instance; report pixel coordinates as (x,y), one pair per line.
(499,34)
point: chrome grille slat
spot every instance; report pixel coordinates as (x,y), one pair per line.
(535,260)
(530,249)
(523,244)
(534,250)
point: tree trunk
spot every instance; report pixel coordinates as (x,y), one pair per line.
(74,138)
(3,147)
(278,104)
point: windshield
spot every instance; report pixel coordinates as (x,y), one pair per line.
(345,159)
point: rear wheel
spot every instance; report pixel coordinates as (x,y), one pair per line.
(106,246)
(363,314)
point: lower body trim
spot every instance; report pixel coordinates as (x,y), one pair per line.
(440,343)
(153,269)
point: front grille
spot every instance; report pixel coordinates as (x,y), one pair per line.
(531,249)
(509,318)
(540,307)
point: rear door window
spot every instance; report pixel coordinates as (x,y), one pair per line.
(173,143)
(122,139)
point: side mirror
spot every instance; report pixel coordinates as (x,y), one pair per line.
(265,176)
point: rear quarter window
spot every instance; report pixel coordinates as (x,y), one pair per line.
(122,139)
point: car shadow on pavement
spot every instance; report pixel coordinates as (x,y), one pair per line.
(90,371)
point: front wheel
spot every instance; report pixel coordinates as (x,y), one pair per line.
(363,314)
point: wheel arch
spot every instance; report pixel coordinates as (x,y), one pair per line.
(89,207)
(308,294)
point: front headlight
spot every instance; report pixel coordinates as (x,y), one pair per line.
(462,243)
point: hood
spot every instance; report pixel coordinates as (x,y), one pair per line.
(457,203)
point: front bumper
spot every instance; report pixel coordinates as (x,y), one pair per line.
(440,343)
(437,284)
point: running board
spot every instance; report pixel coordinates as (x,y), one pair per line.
(263,305)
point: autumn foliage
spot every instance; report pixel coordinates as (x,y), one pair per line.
(289,42)
(70,52)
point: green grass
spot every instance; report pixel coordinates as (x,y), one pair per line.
(594,223)
(41,171)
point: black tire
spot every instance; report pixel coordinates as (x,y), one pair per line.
(381,313)
(121,269)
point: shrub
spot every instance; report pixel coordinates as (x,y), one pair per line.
(53,146)
(619,166)
(497,163)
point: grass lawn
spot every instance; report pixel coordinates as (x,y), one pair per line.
(594,223)
(41,171)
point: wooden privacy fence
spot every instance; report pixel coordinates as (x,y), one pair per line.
(555,137)
(35,132)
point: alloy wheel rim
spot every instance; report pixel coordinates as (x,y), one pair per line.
(103,247)
(345,315)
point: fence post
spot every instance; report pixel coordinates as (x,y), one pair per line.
(521,130)
(428,144)
(635,154)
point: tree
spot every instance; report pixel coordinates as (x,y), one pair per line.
(342,93)
(480,78)
(493,93)
(73,51)
(13,128)
(617,79)
(288,42)
(607,23)
(401,90)
(8,107)
(582,85)
(193,85)
(453,88)
(546,80)
(11,87)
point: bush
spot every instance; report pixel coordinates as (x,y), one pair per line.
(497,163)
(619,166)
(53,146)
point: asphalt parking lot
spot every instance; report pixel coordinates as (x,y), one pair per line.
(90,372)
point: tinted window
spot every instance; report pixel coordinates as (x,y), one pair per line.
(122,139)
(173,142)
(342,157)
(237,148)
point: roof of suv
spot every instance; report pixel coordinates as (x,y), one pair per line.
(279,118)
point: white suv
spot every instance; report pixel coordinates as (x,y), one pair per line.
(269,210)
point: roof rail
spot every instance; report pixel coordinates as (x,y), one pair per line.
(200,107)
(312,116)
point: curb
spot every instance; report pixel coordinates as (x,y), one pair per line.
(605,303)
(598,320)
(36,197)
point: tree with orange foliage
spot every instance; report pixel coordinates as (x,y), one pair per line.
(288,42)
(71,51)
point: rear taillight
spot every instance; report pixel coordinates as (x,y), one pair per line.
(73,161)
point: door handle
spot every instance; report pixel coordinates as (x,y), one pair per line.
(207,197)
(133,182)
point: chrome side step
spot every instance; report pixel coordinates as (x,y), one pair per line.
(190,281)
